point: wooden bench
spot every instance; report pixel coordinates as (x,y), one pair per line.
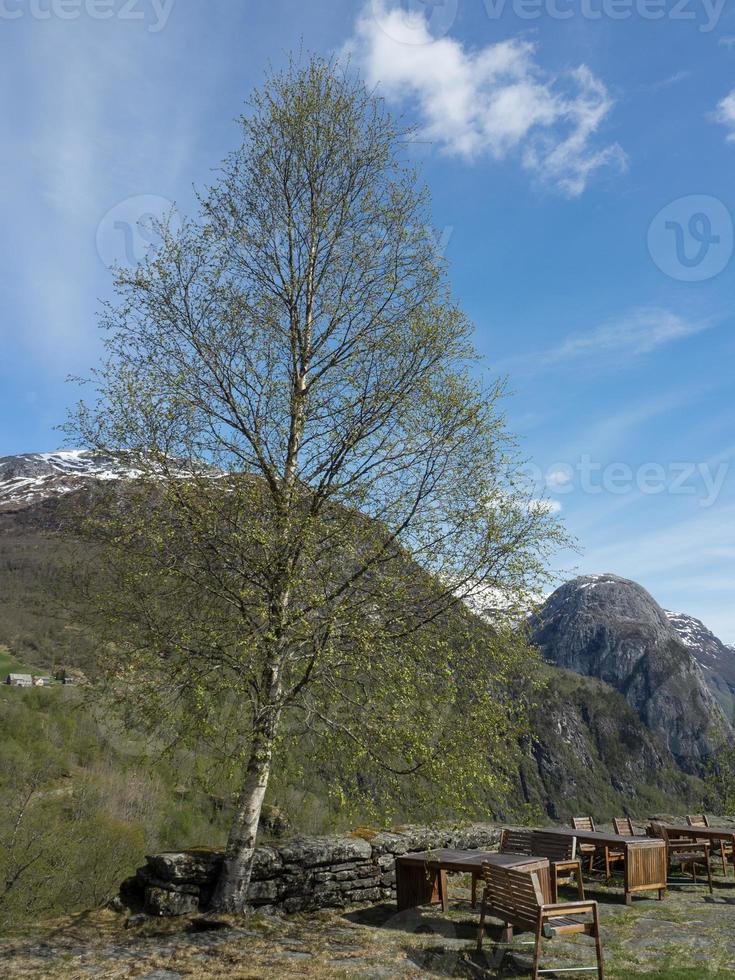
(516,899)
(513,840)
(624,826)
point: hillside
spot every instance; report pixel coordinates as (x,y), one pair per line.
(596,742)
(591,753)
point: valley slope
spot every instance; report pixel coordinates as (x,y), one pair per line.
(625,723)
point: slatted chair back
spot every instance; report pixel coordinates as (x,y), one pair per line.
(624,826)
(697,820)
(583,823)
(658,830)
(515,841)
(553,847)
(513,896)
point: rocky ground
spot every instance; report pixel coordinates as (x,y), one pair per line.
(689,936)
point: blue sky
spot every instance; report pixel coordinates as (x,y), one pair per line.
(581,169)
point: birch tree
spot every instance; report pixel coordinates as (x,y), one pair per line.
(322,474)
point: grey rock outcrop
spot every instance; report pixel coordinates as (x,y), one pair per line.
(610,628)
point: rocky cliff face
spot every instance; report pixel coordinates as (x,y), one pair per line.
(716,659)
(610,628)
(591,753)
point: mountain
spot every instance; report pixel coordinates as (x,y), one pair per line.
(595,745)
(610,628)
(35,477)
(716,659)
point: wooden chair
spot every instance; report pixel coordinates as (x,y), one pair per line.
(586,850)
(565,865)
(624,826)
(513,840)
(684,851)
(515,898)
(610,855)
(726,850)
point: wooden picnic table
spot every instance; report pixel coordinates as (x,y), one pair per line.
(726,834)
(646,861)
(421,877)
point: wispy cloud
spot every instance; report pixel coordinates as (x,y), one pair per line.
(494,100)
(725,114)
(664,83)
(92,137)
(639,332)
(702,541)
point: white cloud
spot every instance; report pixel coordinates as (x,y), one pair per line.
(641,331)
(494,100)
(559,477)
(725,114)
(664,83)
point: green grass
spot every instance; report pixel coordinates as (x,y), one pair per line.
(676,973)
(9,665)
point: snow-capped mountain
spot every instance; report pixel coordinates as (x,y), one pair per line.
(715,657)
(33,477)
(611,628)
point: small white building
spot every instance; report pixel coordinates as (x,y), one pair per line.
(41,681)
(19,680)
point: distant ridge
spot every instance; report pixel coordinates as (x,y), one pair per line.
(716,658)
(33,477)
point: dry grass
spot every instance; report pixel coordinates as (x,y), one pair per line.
(686,937)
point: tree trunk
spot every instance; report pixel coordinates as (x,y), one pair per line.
(231,892)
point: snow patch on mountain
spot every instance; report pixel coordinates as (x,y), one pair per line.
(33,477)
(712,655)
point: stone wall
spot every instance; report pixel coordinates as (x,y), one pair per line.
(304,873)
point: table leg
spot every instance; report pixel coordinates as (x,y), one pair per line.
(442,882)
